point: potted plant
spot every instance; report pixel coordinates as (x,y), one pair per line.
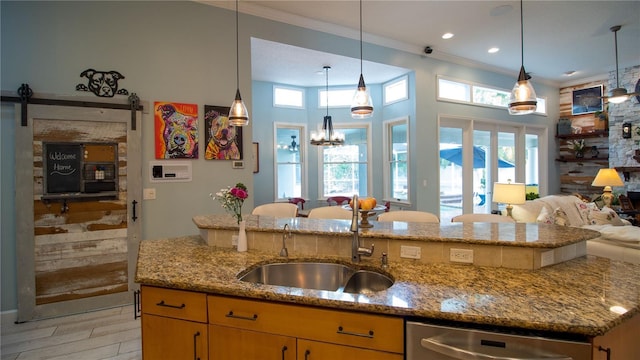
(578,147)
(601,120)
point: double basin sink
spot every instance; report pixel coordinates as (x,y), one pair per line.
(318,276)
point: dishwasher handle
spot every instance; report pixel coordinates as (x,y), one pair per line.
(436,345)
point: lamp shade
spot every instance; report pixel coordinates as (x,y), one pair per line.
(509,193)
(607,177)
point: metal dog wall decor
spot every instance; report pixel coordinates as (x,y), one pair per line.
(102,83)
(224,141)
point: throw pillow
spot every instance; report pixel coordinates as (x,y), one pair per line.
(545,217)
(606,216)
(585,210)
(615,219)
(560,217)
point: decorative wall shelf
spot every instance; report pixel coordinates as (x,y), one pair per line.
(593,134)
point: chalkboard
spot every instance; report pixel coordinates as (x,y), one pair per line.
(62,168)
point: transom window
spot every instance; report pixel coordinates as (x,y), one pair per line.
(476,94)
(337,97)
(396,90)
(288,97)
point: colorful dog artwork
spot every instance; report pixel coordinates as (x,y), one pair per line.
(176,128)
(224,142)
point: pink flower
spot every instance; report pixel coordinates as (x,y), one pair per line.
(241,194)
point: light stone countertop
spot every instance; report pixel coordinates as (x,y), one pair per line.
(572,297)
(505,234)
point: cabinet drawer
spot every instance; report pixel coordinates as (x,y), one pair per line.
(178,304)
(339,327)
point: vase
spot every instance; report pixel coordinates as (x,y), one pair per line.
(242,237)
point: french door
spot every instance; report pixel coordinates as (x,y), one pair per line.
(474,154)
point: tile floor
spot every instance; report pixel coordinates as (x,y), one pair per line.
(104,334)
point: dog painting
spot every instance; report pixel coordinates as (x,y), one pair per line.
(176,127)
(102,83)
(224,142)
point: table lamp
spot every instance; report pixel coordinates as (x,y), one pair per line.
(607,178)
(509,193)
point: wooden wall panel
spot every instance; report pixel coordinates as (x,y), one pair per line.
(576,177)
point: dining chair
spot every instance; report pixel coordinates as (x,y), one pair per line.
(330,212)
(280,209)
(338,200)
(409,215)
(298,201)
(489,218)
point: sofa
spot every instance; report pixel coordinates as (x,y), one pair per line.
(619,240)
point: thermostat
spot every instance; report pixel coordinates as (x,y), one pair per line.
(170,171)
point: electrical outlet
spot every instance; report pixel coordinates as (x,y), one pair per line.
(149,194)
(410,252)
(461,256)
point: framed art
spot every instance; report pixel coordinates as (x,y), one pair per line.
(255,154)
(176,130)
(587,100)
(224,142)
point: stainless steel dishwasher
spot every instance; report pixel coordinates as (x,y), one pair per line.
(440,342)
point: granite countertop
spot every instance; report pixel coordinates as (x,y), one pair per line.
(573,297)
(505,234)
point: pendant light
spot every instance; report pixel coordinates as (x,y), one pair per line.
(619,94)
(523,96)
(326,136)
(361,105)
(238,114)
(293,147)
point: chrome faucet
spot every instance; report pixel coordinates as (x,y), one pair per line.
(356,250)
(286,235)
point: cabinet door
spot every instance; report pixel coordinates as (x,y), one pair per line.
(228,343)
(621,342)
(312,350)
(166,338)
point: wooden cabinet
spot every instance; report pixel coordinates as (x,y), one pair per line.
(621,343)
(251,326)
(315,350)
(174,324)
(228,343)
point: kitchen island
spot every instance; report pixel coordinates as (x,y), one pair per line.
(585,297)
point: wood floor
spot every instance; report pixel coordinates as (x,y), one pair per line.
(105,334)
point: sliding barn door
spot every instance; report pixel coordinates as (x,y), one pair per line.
(78,186)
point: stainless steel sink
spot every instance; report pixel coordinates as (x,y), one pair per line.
(365,280)
(318,276)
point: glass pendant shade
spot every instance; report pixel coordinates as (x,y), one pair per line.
(618,95)
(523,97)
(238,114)
(362,104)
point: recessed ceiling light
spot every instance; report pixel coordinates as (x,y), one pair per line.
(569,73)
(493,50)
(447,36)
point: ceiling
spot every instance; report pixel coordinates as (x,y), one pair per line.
(559,36)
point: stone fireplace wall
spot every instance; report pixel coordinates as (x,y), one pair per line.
(621,151)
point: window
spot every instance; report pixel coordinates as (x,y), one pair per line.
(337,98)
(396,90)
(396,155)
(288,97)
(459,91)
(289,166)
(345,169)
